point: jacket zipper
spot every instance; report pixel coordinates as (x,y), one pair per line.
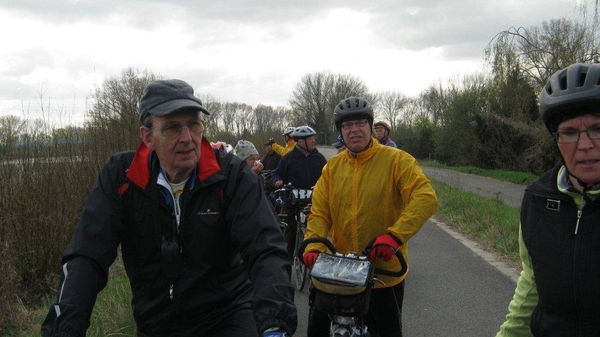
(574,276)
(178,228)
(578,218)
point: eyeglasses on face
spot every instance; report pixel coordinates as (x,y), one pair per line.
(348,125)
(173,130)
(572,135)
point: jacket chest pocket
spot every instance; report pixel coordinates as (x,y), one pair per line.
(205,233)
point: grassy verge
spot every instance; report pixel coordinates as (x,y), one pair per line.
(487,221)
(490,222)
(112,315)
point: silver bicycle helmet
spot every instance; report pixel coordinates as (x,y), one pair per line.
(352,108)
(303,132)
(288,130)
(572,91)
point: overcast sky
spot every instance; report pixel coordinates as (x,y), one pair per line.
(247,51)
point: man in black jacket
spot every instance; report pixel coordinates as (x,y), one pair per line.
(203,251)
(300,167)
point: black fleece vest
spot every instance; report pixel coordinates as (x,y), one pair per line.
(566,264)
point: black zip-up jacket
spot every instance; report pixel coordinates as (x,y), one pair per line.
(301,170)
(232,253)
(564,246)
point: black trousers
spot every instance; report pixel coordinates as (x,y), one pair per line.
(383,319)
(238,322)
(290,235)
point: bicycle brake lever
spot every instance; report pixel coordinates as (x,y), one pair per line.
(379,281)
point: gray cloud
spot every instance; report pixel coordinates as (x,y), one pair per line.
(212,42)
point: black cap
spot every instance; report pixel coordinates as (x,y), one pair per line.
(166,96)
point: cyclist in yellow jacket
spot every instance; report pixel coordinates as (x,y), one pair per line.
(368,191)
(290,143)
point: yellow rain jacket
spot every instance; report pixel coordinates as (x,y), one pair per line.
(283,150)
(382,190)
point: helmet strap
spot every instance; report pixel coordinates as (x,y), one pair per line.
(302,148)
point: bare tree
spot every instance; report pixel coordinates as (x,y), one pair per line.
(12,129)
(214,107)
(244,120)
(265,115)
(538,52)
(114,117)
(391,106)
(316,95)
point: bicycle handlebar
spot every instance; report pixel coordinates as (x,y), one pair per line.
(289,187)
(377,270)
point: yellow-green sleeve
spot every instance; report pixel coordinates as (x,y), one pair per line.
(524,300)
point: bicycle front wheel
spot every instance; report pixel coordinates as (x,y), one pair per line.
(300,270)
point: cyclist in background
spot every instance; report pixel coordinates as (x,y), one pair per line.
(354,203)
(382,132)
(302,168)
(558,291)
(271,158)
(339,145)
(247,152)
(289,142)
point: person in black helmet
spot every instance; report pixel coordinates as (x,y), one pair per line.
(202,249)
(354,203)
(558,291)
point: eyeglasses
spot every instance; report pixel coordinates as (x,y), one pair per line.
(572,136)
(173,130)
(349,125)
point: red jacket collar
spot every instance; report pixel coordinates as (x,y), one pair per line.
(140,172)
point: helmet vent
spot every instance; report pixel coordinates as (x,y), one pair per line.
(563,83)
(582,77)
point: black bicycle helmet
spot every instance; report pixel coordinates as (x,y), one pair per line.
(572,91)
(352,108)
(303,132)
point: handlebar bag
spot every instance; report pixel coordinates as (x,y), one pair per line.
(342,285)
(342,275)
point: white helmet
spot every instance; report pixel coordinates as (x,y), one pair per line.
(288,130)
(303,132)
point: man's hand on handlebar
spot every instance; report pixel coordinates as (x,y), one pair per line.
(309,258)
(384,247)
(278,183)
